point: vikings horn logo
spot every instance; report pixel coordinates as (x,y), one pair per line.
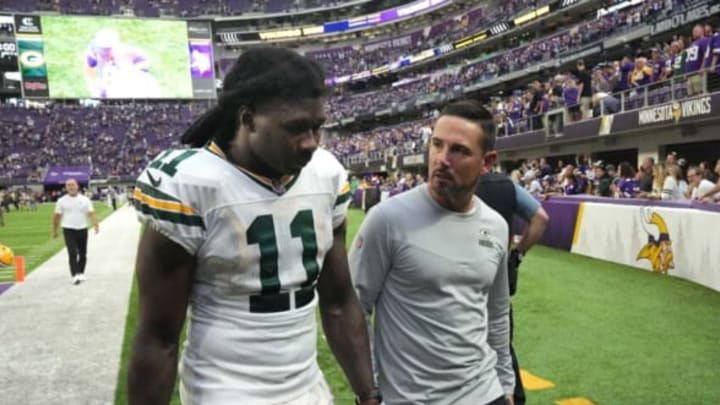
(676,111)
(658,250)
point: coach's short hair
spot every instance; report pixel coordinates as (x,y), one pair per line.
(258,77)
(472,110)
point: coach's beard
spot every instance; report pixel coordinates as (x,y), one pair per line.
(454,194)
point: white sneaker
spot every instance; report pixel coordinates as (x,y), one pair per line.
(82,277)
(76,279)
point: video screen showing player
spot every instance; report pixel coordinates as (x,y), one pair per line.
(114,69)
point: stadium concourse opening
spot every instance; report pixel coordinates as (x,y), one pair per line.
(605,111)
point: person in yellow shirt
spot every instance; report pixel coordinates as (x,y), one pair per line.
(642,74)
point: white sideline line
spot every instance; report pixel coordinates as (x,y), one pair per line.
(61,343)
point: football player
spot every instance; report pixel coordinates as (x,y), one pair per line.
(248,230)
(114,69)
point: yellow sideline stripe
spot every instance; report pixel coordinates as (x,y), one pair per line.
(575,401)
(164,205)
(578,223)
(531,382)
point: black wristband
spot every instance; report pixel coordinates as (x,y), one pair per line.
(372,394)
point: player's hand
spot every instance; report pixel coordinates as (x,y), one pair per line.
(509,400)
(97,229)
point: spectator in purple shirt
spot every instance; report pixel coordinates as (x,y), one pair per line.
(657,62)
(571,94)
(695,54)
(569,183)
(712,59)
(626,66)
(629,186)
(516,111)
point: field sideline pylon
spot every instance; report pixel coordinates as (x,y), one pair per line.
(19,269)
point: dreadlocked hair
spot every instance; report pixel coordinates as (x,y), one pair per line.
(259,76)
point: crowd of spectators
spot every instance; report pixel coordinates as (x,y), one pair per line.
(156,8)
(115,140)
(612,86)
(118,140)
(345,106)
(381,143)
(345,60)
(626,73)
(673,179)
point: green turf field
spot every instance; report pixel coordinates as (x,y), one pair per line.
(29,234)
(66,40)
(601,331)
(608,333)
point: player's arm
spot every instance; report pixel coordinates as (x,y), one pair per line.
(343,319)
(57,216)
(56,223)
(93,217)
(164,274)
(532,211)
(90,72)
(141,61)
(499,327)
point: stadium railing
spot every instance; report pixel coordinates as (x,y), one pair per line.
(661,92)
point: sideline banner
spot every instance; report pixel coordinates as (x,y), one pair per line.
(60,174)
(673,241)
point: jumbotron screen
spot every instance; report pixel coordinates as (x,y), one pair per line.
(110,58)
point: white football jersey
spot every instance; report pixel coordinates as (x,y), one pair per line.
(259,250)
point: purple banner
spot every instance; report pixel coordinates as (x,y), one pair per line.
(388,15)
(563,215)
(201,60)
(60,174)
(560,229)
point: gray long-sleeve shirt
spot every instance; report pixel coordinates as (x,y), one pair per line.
(437,282)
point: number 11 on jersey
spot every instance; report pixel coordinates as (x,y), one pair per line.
(262,233)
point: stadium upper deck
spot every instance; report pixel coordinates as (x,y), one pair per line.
(181,8)
(500,62)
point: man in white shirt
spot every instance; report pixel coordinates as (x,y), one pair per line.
(72,211)
(535,188)
(698,185)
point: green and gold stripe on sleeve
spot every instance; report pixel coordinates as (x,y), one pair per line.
(344,195)
(155,203)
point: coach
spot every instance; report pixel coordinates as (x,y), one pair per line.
(72,211)
(432,262)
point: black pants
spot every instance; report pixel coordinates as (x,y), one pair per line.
(499,401)
(76,242)
(114,204)
(519,394)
